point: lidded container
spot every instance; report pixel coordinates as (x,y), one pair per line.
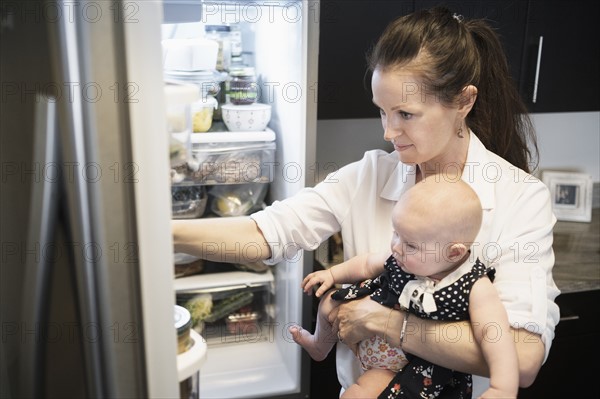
(202,114)
(191,354)
(189,55)
(183,325)
(243,88)
(179,99)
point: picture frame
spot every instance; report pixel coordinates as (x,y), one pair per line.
(571,195)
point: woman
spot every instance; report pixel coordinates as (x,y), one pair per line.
(447,104)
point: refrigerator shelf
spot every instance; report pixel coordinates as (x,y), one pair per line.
(215,282)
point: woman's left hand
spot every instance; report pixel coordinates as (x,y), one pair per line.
(358,319)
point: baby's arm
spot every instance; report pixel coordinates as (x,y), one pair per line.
(358,268)
(492,332)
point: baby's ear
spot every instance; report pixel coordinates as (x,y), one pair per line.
(456,251)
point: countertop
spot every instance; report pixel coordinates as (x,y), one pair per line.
(577,253)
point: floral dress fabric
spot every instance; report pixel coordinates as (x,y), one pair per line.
(397,289)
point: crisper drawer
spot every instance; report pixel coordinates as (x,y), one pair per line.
(229,308)
(230,158)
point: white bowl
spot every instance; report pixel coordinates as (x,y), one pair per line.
(246,118)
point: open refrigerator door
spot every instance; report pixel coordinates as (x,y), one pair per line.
(266,59)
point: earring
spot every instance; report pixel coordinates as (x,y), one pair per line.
(459,133)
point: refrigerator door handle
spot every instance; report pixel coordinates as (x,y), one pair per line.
(42,224)
(75,206)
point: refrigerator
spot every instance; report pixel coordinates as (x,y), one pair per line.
(87,287)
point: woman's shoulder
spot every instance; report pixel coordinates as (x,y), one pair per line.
(483,164)
(375,162)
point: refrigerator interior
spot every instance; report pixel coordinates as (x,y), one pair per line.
(279,40)
(123,136)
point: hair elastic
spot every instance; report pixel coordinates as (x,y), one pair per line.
(458,17)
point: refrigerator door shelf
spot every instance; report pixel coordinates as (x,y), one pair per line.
(190,361)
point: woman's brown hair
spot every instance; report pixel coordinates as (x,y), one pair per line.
(452,54)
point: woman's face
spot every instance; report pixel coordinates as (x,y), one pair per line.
(421,128)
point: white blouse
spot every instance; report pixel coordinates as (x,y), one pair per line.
(515,237)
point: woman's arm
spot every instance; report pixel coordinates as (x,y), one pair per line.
(230,240)
(449,344)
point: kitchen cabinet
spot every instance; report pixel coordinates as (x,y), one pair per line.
(562,38)
(570,365)
(577,274)
(347,30)
(507,18)
(567,79)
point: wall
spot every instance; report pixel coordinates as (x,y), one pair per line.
(567,141)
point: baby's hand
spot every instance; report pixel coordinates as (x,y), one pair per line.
(322,277)
(497,393)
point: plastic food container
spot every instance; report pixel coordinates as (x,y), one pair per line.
(196,54)
(209,81)
(183,324)
(202,114)
(246,118)
(188,202)
(242,322)
(230,158)
(179,98)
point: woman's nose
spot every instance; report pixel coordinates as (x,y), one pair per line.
(390,131)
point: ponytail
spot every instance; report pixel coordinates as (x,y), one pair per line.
(499,116)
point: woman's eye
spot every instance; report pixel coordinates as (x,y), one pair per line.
(405,115)
(381,112)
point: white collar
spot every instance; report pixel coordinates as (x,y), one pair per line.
(479,172)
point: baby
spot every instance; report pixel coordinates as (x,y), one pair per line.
(429,274)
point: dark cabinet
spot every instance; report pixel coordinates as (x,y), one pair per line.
(570,370)
(567,79)
(507,18)
(561,58)
(348,29)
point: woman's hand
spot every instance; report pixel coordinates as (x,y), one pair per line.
(358,319)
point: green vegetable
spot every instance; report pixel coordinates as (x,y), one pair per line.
(200,307)
(229,305)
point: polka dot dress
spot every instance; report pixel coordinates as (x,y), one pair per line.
(420,378)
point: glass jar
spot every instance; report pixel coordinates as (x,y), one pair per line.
(183,324)
(221,34)
(243,88)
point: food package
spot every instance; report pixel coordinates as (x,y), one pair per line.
(237,199)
